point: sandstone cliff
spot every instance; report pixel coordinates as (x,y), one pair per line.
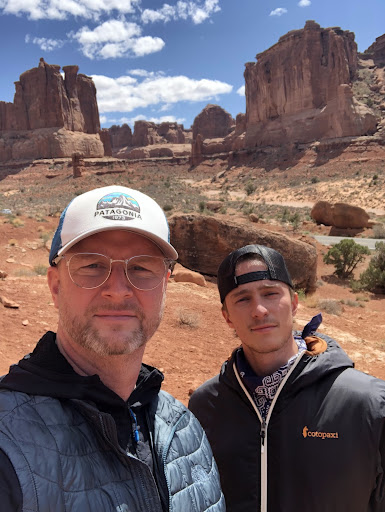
(45,107)
(43,99)
(212,122)
(299,90)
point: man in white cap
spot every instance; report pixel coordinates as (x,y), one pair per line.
(84,425)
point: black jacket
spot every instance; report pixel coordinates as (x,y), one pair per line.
(322,448)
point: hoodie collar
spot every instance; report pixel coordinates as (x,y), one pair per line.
(46,372)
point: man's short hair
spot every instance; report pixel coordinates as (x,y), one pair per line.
(276,269)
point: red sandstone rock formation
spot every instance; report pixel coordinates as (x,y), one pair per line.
(203,241)
(377,50)
(53,117)
(44,100)
(104,135)
(147,133)
(48,143)
(212,122)
(299,90)
(340,215)
(196,151)
(121,136)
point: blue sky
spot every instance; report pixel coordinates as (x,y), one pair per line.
(164,61)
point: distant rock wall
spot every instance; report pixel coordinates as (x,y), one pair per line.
(50,116)
(299,90)
(120,136)
(377,51)
(212,122)
(43,99)
(48,143)
(147,133)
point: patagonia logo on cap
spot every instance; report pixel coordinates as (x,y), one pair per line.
(118,206)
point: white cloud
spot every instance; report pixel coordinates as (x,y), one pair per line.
(125,94)
(144,73)
(197,11)
(45,44)
(304,3)
(116,38)
(103,119)
(62,9)
(278,12)
(241,91)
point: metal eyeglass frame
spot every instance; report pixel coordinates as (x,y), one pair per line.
(168,265)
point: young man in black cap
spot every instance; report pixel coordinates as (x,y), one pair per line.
(293,427)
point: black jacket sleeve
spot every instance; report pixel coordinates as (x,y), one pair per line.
(11,498)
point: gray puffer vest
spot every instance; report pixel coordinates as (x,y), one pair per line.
(67,458)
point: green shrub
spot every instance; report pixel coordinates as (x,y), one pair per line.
(295,220)
(167,207)
(379,231)
(345,256)
(250,187)
(373,278)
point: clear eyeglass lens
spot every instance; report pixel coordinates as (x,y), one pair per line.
(89,270)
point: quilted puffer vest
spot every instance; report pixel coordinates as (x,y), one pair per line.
(67,458)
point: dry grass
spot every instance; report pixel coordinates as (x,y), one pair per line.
(187,318)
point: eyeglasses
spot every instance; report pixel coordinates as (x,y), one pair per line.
(91,270)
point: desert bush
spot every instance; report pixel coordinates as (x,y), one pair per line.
(345,256)
(248,208)
(250,187)
(187,318)
(379,231)
(373,278)
(331,306)
(167,207)
(295,220)
(40,270)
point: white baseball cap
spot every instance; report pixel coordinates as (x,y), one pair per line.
(108,208)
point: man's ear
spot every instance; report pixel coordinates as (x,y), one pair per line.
(226,316)
(54,283)
(294,304)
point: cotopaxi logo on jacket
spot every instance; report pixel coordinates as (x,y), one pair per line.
(118,206)
(322,435)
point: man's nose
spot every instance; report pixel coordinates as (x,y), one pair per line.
(117,284)
(259,309)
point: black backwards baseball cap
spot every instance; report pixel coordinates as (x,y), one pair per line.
(276,269)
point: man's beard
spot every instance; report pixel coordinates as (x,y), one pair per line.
(89,337)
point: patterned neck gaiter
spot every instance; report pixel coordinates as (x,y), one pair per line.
(263,389)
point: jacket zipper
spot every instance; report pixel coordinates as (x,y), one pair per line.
(264,428)
(126,455)
(166,446)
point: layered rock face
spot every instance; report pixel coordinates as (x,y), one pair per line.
(299,90)
(203,242)
(44,100)
(45,107)
(212,122)
(147,133)
(377,51)
(120,136)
